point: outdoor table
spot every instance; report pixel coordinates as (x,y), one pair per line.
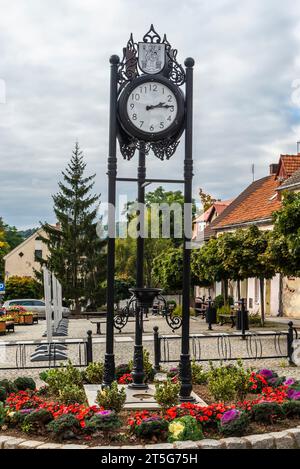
(98,323)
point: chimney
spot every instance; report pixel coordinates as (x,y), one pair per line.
(298,148)
(274,168)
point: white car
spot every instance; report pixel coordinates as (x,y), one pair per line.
(36,306)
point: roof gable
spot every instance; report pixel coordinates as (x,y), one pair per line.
(288,164)
(27,240)
(257,202)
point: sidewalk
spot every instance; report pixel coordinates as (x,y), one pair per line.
(283,320)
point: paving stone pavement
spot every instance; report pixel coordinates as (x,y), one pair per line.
(124,345)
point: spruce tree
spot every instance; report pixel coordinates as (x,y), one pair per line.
(76,253)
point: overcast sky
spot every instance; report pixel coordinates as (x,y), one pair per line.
(54,65)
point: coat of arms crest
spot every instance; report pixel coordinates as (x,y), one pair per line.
(151,57)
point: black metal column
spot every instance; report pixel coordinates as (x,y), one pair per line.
(185,362)
(109,361)
(138,374)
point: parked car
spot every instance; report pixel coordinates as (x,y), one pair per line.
(36,306)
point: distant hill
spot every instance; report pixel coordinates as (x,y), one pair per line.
(26,233)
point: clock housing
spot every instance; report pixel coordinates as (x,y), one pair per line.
(151,108)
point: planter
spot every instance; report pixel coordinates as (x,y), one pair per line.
(28,319)
(2,327)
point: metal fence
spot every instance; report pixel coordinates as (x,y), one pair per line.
(15,355)
(227,346)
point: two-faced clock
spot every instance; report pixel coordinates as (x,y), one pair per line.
(151,108)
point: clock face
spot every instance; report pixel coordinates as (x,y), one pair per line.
(152,107)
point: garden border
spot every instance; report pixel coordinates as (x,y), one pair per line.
(286,439)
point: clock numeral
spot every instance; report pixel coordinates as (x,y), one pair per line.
(151,128)
(162,125)
(163,91)
(141,124)
(134,117)
(172,108)
(135,96)
(154,87)
(169,98)
(131,106)
(169,118)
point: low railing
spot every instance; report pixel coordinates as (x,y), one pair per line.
(15,355)
(226,346)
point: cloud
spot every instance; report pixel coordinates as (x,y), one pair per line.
(54,64)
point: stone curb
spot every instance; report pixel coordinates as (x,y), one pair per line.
(287,439)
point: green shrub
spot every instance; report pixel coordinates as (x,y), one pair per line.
(72,394)
(15,419)
(219,301)
(3,394)
(57,379)
(226,383)
(184,428)
(103,422)
(152,426)
(24,383)
(178,311)
(22,287)
(112,398)
(122,369)
(64,427)
(254,319)
(166,394)
(2,413)
(36,420)
(172,302)
(267,412)
(291,408)
(8,385)
(236,427)
(43,375)
(226,309)
(199,376)
(93,373)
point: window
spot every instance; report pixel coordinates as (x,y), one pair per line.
(25,303)
(38,303)
(38,254)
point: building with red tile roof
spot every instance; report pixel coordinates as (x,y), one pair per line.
(255,204)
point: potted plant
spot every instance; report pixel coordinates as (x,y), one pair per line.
(28,318)
(2,325)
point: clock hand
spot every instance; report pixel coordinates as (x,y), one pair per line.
(157,105)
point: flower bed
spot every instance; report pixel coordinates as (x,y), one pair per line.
(271,403)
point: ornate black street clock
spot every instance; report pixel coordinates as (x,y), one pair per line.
(151,105)
(149,112)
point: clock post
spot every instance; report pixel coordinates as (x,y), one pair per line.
(185,362)
(109,360)
(149,112)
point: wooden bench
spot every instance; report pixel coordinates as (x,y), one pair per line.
(200,311)
(227,318)
(98,323)
(10,326)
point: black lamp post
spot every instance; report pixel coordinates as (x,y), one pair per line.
(109,360)
(185,362)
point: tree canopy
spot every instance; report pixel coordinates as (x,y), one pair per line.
(285,246)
